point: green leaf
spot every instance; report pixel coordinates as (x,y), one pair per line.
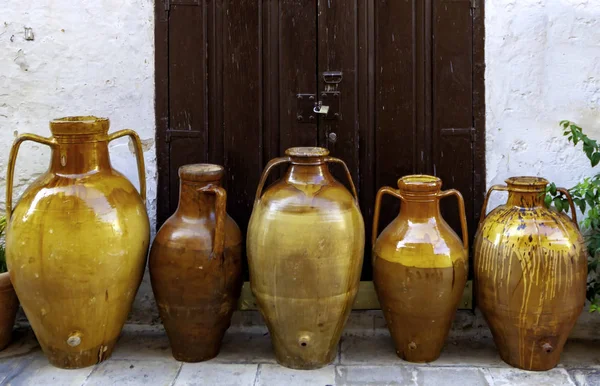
(595,159)
(548,200)
(553,189)
(557,203)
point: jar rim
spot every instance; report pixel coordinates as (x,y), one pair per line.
(79,125)
(527,181)
(307,152)
(201,172)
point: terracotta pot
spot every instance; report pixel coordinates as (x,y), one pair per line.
(196,266)
(76,242)
(419,267)
(530,274)
(9,304)
(305,250)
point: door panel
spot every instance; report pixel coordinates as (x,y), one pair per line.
(297,46)
(453,126)
(229,71)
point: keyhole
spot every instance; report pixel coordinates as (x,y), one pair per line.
(332,137)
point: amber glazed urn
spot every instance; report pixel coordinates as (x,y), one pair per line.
(196,266)
(9,304)
(76,242)
(530,274)
(419,267)
(305,251)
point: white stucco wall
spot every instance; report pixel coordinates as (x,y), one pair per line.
(87,58)
(542,66)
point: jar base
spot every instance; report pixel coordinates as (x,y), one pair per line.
(70,360)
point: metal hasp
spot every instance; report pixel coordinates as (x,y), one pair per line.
(305,103)
(332,77)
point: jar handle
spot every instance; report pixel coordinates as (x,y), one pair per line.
(380,193)
(462,214)
(348,175)
(12,159)
(483,215)
(139,155)
(220,216)
(270,165)
(570,199)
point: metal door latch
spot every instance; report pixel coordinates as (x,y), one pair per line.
(320,109)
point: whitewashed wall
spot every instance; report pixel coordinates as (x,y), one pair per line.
(87,57)
(542,66)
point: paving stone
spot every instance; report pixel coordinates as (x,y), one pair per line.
(451,376)
(470,352)
(239,347)
(11,367)
(378,349)
(206,373)
(142,343)
(517,377)
(270,375)
(131,372)
(581,354)
(40,372)
(23,342)
(585,377)
(361,323)
(375,375)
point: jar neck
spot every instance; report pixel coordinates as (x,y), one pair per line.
(310,171)
(529,199)
(194,203)
(422,207)
(71,157)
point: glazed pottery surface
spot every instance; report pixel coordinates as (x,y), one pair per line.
(530,274)
(305,251)
(196,266)
(9,304)
(419,268)
(76,242)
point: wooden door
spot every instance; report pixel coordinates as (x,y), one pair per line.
(405,78)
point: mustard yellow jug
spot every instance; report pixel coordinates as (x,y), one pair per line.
(305,251)
(76,242)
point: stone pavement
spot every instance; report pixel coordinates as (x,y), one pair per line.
(365,357)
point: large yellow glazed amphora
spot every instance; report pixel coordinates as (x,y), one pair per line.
(305,251)
(76,242)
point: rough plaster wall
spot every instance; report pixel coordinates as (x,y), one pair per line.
(542,66)
(88,57)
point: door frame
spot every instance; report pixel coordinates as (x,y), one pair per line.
(366,298)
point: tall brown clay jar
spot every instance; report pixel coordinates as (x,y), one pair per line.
(195,266)
(76,242)
(530,274)
(305,250)
(419,267)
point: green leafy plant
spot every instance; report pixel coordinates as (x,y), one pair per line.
(3,267)
(586,196)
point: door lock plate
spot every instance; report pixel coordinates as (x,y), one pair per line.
(304,108)
(308,108)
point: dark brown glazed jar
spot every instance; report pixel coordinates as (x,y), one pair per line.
(195,266)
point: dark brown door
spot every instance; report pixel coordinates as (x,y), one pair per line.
(402,79)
